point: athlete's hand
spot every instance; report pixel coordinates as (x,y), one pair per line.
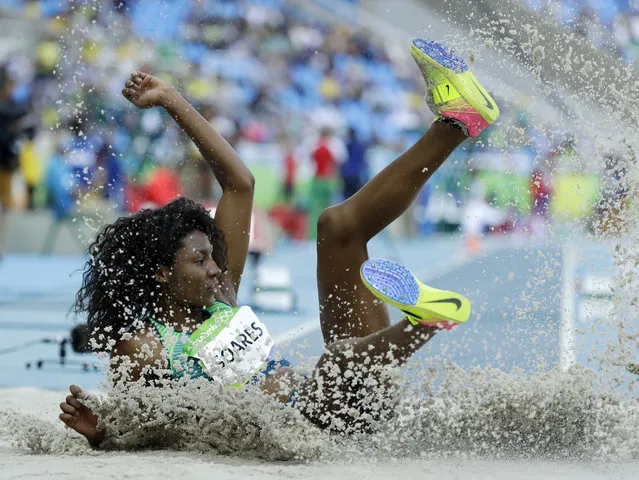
(81,418)
(144,90)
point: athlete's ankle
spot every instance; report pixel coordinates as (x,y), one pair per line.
(452,123)
(434,325)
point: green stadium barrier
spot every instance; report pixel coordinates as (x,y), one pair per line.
(574,196)
(507,190)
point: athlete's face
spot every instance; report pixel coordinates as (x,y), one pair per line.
(194,279)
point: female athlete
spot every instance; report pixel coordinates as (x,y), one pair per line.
(160,286)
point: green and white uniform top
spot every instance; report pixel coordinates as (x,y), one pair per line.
(231,347)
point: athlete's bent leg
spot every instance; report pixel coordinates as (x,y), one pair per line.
(462,107)
(355,324)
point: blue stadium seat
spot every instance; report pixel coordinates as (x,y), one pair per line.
(289,98)
(535,5)
(381,73)
(10,4)
(273,4)
(227,10)
(307,78)
(358,116)
(193,52)
(568,13)
(159,20)
(51,8)
(606,10)
(239,68)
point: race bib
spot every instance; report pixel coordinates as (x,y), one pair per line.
(232,349)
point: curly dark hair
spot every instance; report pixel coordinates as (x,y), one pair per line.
(118,283)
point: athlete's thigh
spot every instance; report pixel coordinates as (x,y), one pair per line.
(347,308)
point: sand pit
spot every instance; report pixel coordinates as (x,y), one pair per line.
(30,413)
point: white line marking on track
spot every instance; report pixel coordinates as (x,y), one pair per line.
(567,343)
(298,332)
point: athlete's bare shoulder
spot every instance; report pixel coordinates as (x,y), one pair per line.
(138,354)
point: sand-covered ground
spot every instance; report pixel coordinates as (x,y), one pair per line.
(29,404)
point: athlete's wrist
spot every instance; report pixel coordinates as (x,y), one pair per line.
(96,440)
(170,98)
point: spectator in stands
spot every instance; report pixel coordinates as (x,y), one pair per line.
(355,169)
(541,191)
(11,127)
(110,178)
(82,152)
(157,185)
(261,66)
(327,155)
(70,198)
(290,167)
(62,186)
(30,166)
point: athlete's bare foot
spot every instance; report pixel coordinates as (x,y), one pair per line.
(81,418)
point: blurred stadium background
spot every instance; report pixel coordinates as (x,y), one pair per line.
(282,80)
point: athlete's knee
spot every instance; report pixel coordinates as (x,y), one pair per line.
(336,224)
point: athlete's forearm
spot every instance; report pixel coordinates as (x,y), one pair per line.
(228,167)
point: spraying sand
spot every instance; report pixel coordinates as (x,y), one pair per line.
(552,425)
(450,424)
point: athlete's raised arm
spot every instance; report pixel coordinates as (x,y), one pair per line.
(233,213)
